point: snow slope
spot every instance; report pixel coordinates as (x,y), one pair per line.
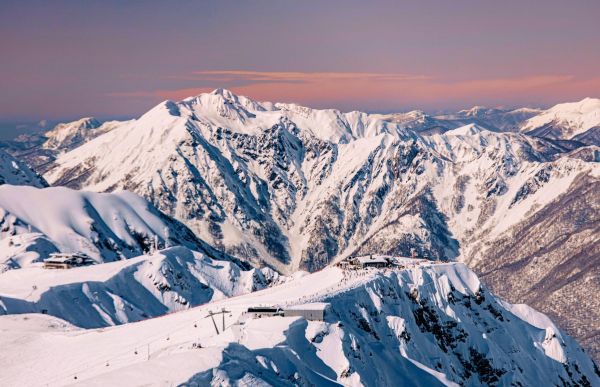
(124,291)
(107,227)
(13,171)
(574,120)
(422,325)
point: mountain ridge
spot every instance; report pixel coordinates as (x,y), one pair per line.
(299,188)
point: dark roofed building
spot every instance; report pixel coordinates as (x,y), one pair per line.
(67,260)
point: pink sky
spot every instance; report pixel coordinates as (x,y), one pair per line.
(383,91)
(68,59)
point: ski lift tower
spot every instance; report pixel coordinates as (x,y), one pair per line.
(211,314)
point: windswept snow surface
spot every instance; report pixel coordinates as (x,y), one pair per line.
(106,226)
(422,325)
(131,290)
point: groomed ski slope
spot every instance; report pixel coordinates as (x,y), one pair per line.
(424,324)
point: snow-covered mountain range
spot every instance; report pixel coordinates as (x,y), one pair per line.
(226,165)
(496,119)
(66,136)
(40,150)
(221,183)
(298,188)
(420,325)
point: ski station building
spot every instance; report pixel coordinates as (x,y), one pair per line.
(315,311)
(367,261)
(263,311)
(379,261)
(67,260)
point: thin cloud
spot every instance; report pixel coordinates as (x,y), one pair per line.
(380,91)
(292,77)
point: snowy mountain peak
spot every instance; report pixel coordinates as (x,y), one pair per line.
(163,109)
(527,110)
(476,111)
(587,106)
(225,93)
(222,104)
(587,103)
(86,122)
(413,116)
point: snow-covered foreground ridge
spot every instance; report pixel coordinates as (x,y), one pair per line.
(426,324)
(130,290)
(35,222)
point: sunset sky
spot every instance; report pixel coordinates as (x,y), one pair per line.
(68,59)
